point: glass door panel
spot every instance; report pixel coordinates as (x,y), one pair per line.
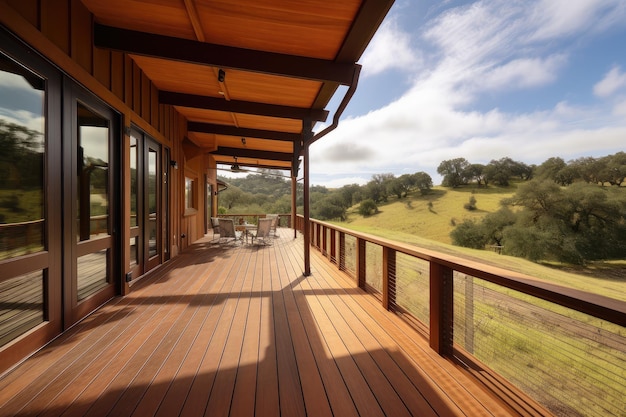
(22,196)
(91,184)
(153,184)
(92,199)
(22,145)
(147,203)
(30,189)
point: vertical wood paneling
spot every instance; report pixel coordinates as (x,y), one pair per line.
(154,106)
(168,121)
(145,97)
(28,9)
(102,66)
(128,81)
(55,23)
(136,89)
(117,74)
(81,35)
(162,115)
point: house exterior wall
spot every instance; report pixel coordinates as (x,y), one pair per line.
(62,33)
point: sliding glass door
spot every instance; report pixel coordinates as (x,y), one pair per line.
(30,202)
(148,203)
(91,184)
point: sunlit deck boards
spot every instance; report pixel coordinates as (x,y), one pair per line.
(237,330)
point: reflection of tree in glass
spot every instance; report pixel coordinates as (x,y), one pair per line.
(21,159)
(21,173)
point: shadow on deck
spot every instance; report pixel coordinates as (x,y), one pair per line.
(238,330)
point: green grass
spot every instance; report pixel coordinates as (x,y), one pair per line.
(411,220)
(413,215)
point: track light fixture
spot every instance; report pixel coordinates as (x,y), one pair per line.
(235,167)
(221,75)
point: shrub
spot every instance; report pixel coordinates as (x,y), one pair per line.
(368,207)
(469,234)
(471,205)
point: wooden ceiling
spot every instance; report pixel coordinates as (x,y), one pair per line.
(252,77)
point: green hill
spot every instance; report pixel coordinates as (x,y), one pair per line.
(432,216)
(412,220)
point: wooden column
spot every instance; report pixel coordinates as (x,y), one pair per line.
(389,277)
(441,309)
(307,224)
(294,199)
(360,262)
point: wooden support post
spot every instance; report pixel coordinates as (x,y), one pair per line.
(389,277)
(341,262)
(441,309)
(469,314)
(360,262)
(333,246)
(294,196)
(307,213)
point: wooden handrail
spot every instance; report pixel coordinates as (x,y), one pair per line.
(596,305)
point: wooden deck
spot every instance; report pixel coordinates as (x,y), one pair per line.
(237,330)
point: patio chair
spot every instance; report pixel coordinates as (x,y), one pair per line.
(215,225)
(262,232)
(227,231)
(274,218)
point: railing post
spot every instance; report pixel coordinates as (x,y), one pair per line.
(469,314)
(441,309)
(341,263)
(323,237)
(333,246)
(389,277)
(360,262)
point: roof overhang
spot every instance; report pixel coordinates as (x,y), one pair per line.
(251,79)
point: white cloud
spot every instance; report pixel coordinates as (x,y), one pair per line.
(613,81)
(559,18)
(340,182)
(485,49)
(524,72)
(23,118)
(390,48)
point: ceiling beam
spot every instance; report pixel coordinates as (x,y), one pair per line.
(254,165)
(238,106)
(166,47)
(252,153)
(242,132)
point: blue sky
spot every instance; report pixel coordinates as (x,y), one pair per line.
(527,79)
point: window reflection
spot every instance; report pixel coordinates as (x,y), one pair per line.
(22,140)
(93,174)
(91,273)
(21,305)
(152,203)
(134,185)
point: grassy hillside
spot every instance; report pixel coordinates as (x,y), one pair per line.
(414,215)
(411,220)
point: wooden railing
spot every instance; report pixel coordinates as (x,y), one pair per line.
(499,324)
(284,220)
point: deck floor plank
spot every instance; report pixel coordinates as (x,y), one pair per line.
(237,330)
(450,392)
(267,391)
(313,392)
(243,400)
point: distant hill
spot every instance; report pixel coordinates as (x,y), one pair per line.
(434,215)
(411,220)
